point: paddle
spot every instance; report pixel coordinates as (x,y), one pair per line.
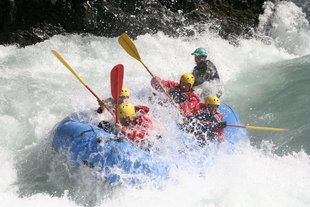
(116,79)
(250,127)
(259,128)
(76,75)
(128,45)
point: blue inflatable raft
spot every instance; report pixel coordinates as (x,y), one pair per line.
(120,161)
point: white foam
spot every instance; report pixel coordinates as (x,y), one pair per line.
(37,91)
(249,178)
(287,25)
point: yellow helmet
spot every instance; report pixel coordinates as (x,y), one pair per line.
(125,92)
(126,110)
(188,78)
(212,100)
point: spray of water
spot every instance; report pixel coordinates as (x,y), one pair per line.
(37,92)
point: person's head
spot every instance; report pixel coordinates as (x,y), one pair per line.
(124,94)
(126,112)
(212,104)
(200,55)
(187,81)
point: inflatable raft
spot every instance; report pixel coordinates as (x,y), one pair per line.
(120,160)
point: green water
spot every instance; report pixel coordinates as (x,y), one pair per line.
(276,95)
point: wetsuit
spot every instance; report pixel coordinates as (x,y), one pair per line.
(205,71)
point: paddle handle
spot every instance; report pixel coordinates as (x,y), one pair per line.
(161,87)
(104,104)
(64,62)
(116,111)
(148,70)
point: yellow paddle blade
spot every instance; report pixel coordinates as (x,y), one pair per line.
(126,43)
(267,128)
(67,66)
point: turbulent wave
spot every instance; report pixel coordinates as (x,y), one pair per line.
(266,82)
(287,25)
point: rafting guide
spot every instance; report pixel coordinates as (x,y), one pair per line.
(207,79)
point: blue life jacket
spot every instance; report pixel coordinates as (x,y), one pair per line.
(201,130)
(177,95)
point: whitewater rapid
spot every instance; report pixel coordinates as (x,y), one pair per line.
(265,81)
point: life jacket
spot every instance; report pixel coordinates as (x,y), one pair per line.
(213,132)
(142,109)
(177,95)
(188,101)
(203,129)
(138,128)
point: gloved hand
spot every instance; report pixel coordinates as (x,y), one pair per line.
(99,110)
(118,126)
(222,125)
(101,107)
(219,93)
(118,129)
(155,82)
(105,125)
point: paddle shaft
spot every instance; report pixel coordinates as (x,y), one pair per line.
(64,62)
(259,128)
(161,86)
(250,127)
(148,70)
(104,104)
(131,49)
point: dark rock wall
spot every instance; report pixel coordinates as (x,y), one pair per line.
(30,21)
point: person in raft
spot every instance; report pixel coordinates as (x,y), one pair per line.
(135,125)
(123,97)
(181,92)
(206,75)
(207,124)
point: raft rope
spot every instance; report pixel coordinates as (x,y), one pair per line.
(99,137)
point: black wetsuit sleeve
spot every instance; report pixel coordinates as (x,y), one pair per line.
(213,71)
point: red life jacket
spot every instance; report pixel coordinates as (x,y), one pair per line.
(138,128)
(142,109)
(191,104)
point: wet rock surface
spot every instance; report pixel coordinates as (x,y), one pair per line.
(26,22)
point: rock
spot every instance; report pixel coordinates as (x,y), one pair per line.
(32,21)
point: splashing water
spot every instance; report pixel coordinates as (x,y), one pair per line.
(267,84)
